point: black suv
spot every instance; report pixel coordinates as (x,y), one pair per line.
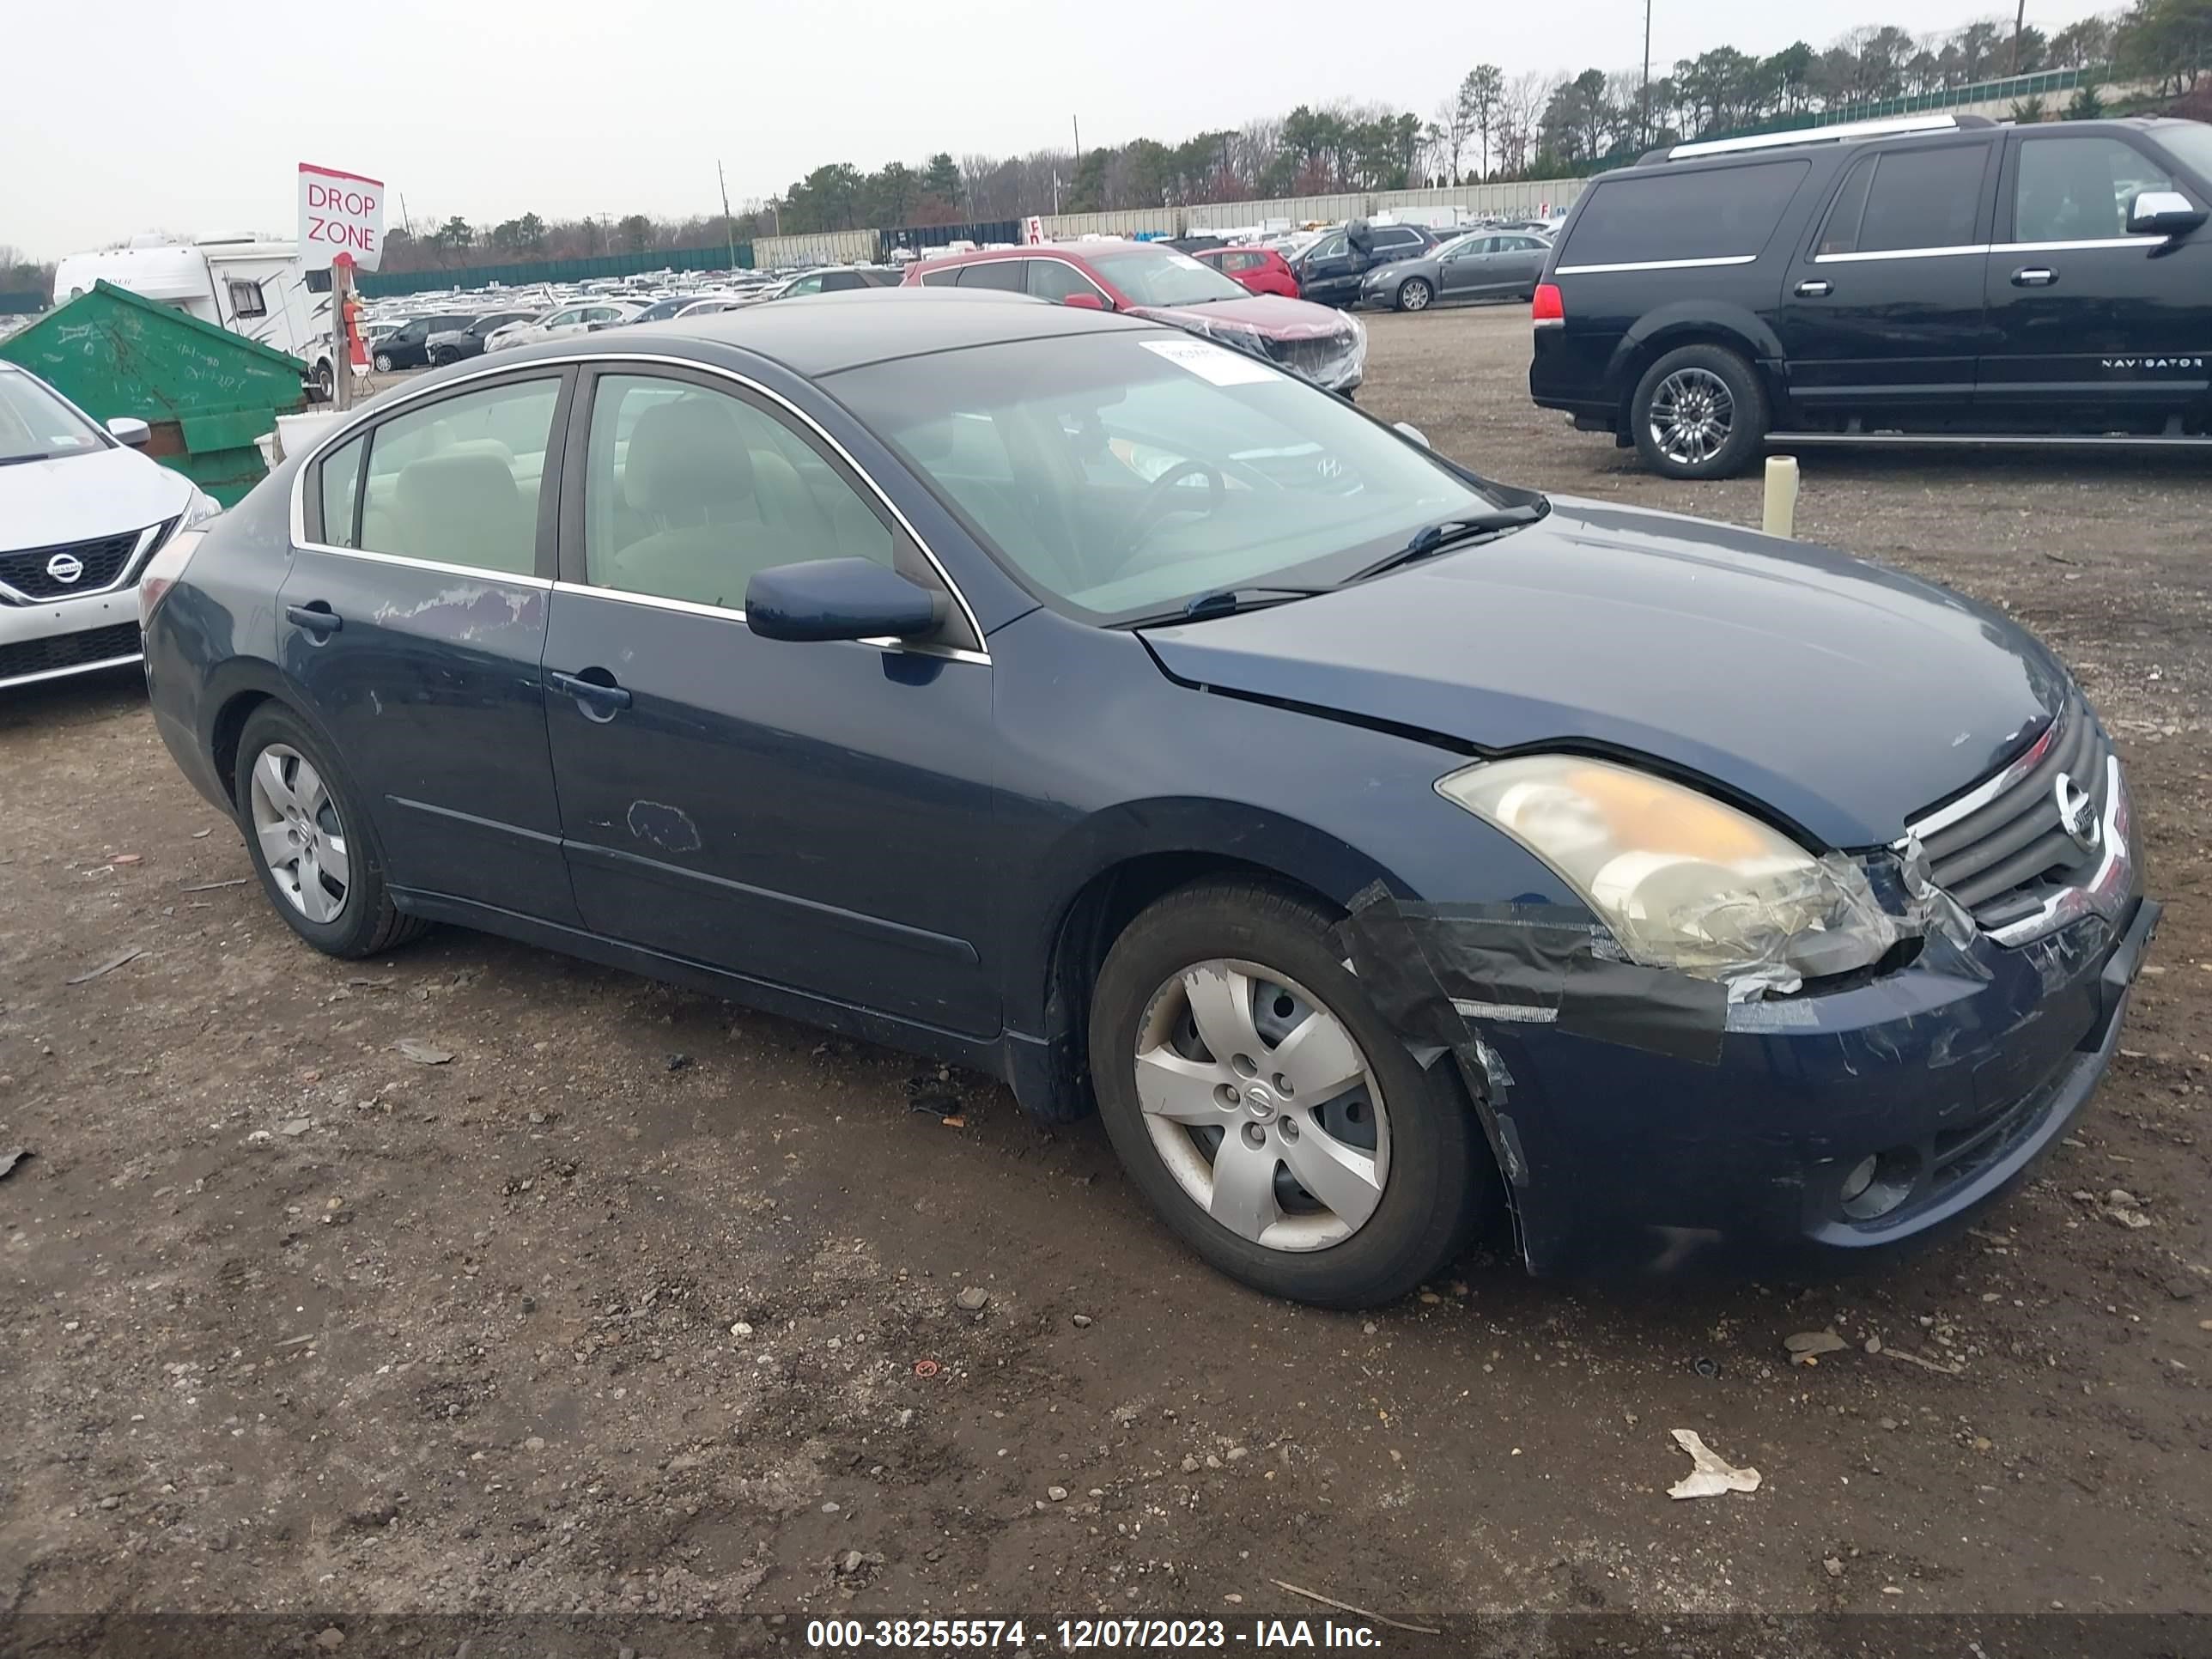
(1931,279)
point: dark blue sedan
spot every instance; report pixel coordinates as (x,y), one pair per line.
(1381,850)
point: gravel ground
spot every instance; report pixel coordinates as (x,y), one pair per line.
(642,1303)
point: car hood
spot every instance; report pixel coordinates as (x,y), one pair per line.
(77,498)
(1846,696)
(1271,314)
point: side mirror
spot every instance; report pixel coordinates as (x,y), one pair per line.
(127,430)
(2163,213)
(840,599)
(1084,301)
(1407,429)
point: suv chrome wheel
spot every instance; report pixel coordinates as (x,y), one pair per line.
(303,840)
(1693,415)
(1262,1106)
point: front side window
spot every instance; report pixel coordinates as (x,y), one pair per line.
(1331,246)
(1906,199)
(35,425)
(1124,473)
(245,300)
(804,285)
(2072,190)
(457,481)
(1712,213)
(1055,279)
(689,491)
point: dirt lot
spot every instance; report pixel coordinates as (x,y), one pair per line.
(642,1302)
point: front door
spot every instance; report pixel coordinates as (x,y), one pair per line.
(2089,323)
(813,816)
(413,619)
(1881,312)
(1460,273)
(1330,273)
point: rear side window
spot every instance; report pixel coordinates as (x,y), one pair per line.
(1716,213)
(945,278)
(1005,274)
(1908,199)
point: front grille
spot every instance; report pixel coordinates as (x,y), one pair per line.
(1322,359)
(2009,854)
(69,651)
(101,563)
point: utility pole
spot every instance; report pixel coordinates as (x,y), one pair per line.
(729,225)
(1077,126)
(1646,98)
(2019,22)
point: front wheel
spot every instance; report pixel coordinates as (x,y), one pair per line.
(1267,1112)
(1699,412)
(1414,294)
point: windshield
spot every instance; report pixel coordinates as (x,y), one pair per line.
(2188,143)
(1126,473)
(37,425)
(1162,276)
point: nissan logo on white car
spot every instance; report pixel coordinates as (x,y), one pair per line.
(65,567)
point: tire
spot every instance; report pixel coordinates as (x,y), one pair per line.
(1699,412)
(344,908)
(1408,1131)
(325,380)
(1414,294)
(384,363)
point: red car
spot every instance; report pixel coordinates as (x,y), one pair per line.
(1260,269)
(1326,346)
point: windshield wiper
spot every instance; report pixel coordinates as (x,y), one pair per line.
(1448,532)
(19,460)
(1224,602)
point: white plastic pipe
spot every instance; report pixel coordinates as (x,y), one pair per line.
(1781,518)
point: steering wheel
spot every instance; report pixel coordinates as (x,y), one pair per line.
(1159,501)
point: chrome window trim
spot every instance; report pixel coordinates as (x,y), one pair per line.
(2082,246)
(75,668)
(1957,252)
(736,614)
(1657,264)
(381,411)
(129,568)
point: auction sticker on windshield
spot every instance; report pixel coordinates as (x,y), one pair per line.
(1211,362)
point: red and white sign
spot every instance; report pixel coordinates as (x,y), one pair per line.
(1033,231)
(341,214)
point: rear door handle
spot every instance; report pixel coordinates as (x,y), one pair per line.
(602,700)
(316,617)
(1813,289)
(2035,276)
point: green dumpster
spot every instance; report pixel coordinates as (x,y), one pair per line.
(208,393)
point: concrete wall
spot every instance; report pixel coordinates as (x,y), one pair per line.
(829,247)
(1299,209)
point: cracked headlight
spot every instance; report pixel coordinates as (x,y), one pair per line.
(1683,881)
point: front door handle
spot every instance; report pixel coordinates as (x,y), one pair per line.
(602,698)
(1813,289)
(316,617)
(2035,276)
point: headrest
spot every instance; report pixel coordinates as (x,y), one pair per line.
(687,456)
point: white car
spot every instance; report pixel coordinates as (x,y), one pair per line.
(577,318)
(81,512)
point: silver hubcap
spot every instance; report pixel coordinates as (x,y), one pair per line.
(302,841)
(1692,415)
(1416,296)
(1262,1107)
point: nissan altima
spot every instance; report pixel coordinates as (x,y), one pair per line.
(1383,851)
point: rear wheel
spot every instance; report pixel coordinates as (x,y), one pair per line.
(310,843)
(384,363)
(325,380)
(1414,294)
(1699,412)
(1269,1113)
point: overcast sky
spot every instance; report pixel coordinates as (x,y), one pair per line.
(139,115)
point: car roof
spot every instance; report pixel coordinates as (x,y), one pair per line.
(823,333)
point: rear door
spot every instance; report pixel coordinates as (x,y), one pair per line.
(413,619)
(2088,324)
(1882,312)
(812,816)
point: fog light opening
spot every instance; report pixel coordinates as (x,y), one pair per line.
(1877,1184)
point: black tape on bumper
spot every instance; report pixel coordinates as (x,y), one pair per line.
(1437,971)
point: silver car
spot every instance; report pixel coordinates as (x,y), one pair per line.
(1484,264)
(82,513)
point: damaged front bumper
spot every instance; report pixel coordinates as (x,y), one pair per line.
(1329,349)
(1639,1116)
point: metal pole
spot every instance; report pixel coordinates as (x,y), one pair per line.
(1646,98)
(340,339)
(729,225)
(2019,22)
(1077,127)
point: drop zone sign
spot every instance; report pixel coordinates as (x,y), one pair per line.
(340,213)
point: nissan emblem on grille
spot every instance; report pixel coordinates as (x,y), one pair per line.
(2077,813)
(65,567)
